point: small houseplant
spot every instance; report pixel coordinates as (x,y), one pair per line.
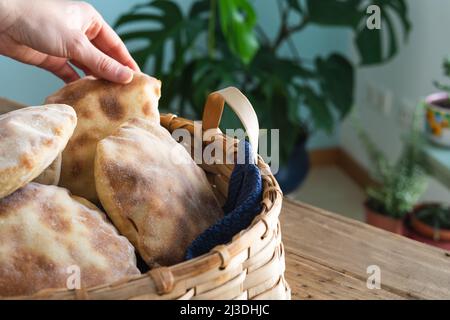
(432,221)
(438,112)
(218,43)
(399,185)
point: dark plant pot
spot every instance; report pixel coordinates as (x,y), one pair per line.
(291,175)
(427,231)
(384,222)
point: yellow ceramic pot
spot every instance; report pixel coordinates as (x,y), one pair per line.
(437,120)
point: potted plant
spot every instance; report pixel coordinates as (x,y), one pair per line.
(218,43)
(438,112)
(399,185)
(430,223)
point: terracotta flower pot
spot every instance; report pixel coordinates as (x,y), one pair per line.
(382,221)
(413,234)
(426,230)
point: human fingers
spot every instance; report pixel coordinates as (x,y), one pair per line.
(82,67)
(110,43)
(83,52)
(58,66)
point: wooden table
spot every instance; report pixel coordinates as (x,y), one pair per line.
(327,256)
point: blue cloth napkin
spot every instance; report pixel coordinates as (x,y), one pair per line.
(242,205)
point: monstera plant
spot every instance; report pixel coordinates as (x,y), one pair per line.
(217,43)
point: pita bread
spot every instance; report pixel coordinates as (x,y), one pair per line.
(30,140)
(51,175)
(44,233)
(101,107)
(159,205)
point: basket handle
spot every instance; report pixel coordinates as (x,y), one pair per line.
(239,103)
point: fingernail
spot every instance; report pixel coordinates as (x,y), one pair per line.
(124,75)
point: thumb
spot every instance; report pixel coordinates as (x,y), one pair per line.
(102,66)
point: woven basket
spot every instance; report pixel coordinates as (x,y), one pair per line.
(251,266)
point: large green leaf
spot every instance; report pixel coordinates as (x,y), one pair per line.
(374,46)
(336,77)
(369,46)
(137,17)
(238,20)
(170,26)
(199,8)
(208,75)
(295,4)
(334,12)
(400,9)
(319,110)
(380,45)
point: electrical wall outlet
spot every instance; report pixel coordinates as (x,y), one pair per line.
(406,113)
(373,95)
(370,94)
(381,100)
(387,102)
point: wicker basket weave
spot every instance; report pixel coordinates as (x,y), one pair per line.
(251,266)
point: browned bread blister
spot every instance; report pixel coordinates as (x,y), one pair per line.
(101,107)
(45,233)
(153,191)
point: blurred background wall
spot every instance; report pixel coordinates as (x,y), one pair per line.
(407,80)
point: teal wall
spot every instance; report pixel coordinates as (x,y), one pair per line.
(31,85)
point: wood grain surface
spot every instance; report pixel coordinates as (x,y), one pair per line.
(328,255)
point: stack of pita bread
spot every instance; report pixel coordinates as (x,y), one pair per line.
(94,145)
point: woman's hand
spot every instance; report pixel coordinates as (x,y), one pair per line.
(53,34)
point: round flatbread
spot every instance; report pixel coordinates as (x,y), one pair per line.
(101,107)
(51,175)
(30,140)
(48,238)
(159,203)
